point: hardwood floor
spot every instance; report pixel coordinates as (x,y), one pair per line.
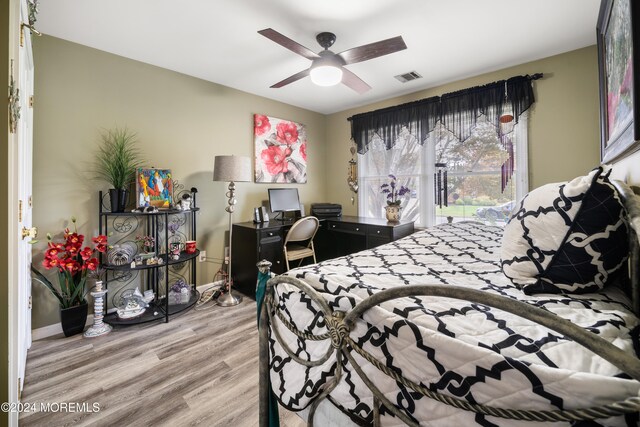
(201,368)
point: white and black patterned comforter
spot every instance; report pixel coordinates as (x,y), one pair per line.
(459,348)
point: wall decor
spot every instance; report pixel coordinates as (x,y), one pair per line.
(352,174)
(154,187)
(14,103)
(618,60)
(280,150)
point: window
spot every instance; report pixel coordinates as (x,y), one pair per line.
(473,174)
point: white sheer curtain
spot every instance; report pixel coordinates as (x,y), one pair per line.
(473,169)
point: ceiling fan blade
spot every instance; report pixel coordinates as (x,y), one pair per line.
(354,82)
(372,50)
(291,79)
(288,43)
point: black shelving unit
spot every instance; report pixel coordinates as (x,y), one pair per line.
(122,227)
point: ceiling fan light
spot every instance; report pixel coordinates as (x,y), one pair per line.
(326,75)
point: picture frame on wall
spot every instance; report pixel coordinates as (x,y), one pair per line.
(280,150)
(154,187)
(618,63)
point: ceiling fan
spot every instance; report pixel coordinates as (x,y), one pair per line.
(327,68)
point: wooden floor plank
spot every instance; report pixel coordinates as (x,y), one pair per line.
(200,369)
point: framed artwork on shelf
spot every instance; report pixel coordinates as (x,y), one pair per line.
(154,187)
(618,62)
(280,150)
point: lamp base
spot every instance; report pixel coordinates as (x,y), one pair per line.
(228,300)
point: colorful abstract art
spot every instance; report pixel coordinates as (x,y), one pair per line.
(280,150)
(154,187)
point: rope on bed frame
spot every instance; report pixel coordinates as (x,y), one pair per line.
(339,325)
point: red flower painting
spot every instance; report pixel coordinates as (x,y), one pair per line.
(261,124)
(303,151)
(287,132)
(280,150)
(274,159)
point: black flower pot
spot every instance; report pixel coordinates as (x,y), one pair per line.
(73,319)
(119,198)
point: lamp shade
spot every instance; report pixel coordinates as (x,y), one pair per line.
(232,168)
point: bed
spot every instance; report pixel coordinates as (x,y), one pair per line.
(428,330)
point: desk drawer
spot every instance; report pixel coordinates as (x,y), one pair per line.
(346,227)
(379,231)
(265,234)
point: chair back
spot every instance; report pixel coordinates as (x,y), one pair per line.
(303,229)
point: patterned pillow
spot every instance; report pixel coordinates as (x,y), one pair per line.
(566,237)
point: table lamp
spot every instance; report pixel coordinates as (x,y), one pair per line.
(231,169)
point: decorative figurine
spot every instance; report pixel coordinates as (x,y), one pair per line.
(185,202)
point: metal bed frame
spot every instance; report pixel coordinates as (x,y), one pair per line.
(339,324)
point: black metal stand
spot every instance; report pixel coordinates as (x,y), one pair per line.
(166,227)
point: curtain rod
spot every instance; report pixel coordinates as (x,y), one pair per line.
(535,76)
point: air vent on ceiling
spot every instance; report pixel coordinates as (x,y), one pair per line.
(407,77)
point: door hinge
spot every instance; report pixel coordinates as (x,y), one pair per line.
(31,101)
(30,201)
(19,210)
(21,36)
(19,389)
(30,302)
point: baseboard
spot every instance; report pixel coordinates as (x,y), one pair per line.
(56,328)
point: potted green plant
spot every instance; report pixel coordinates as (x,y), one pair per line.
(72,263)
(116,162)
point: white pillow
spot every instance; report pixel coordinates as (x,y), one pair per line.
(566,237)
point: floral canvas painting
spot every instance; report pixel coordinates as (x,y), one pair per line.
(154,188)
(619,68)
(280,150)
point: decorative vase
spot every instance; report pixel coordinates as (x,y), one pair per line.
(119,198)
(73,319)
(393,213)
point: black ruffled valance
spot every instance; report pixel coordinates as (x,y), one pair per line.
(457,111)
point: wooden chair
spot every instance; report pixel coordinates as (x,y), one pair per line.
(302,230)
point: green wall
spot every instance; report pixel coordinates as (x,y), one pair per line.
(182,123)
(563,122)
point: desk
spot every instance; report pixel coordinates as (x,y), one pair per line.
(336,237)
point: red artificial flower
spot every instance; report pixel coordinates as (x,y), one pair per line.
(58,246)
(91,264)
(74,239)
(100,242)
(303,150)
(86,253)
(287,132)
(261,124)
(101,239)
(71,265)
(50,263)
(52,252)
(275,160)
(72,250)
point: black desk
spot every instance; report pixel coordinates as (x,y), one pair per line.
(336,237)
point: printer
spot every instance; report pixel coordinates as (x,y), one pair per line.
(326,210)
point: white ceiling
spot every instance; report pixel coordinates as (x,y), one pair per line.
(217,40)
